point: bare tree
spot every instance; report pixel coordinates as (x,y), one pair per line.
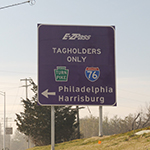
(134,122)
(18,141)
(115,125)
(89,126)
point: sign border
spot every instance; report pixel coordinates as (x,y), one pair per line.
(38,26)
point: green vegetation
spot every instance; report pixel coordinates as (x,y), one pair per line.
(35,121)
(125,141)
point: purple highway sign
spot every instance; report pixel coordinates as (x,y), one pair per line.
(76,65)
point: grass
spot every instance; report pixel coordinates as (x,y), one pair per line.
(125,141)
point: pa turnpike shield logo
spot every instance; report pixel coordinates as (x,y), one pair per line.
(92,73)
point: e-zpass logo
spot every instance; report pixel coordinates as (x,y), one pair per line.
(76,36)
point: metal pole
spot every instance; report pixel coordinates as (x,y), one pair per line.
(100,121)
(4,136)
(52,128)
(77,107)
(4,120)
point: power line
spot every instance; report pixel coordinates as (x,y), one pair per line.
(31,2)
(134,92)
(5,71)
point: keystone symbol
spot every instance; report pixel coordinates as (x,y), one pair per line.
(46,93)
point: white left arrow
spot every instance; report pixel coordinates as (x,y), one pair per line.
(46,93)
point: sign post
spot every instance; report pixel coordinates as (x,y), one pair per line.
(52,128)
(100,121)
(76,65)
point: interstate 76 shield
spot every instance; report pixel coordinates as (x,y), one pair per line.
(92,73)
(76,65)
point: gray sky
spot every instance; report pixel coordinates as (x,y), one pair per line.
(18,46)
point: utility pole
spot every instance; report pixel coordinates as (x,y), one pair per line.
(26,86)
